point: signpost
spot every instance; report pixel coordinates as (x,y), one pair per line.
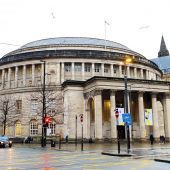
(117,116)
(81,119)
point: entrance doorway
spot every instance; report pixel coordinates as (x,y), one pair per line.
(121,131)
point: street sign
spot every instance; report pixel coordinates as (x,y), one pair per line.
(48,132)
(81,118)
(127,118)
(117,113)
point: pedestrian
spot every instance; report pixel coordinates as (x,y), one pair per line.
(161,139)
(119,135)
(29,139)
(67,139)
(151,139)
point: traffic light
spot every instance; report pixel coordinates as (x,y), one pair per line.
(46,121)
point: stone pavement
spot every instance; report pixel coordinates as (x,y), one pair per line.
(138,150)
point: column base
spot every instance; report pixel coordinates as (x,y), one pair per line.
(167,139)
(97,140)
(143,140)
(113,140)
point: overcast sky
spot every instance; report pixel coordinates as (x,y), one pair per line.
(24,21)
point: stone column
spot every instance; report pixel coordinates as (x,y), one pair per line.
(146,74)
(16,77)
(98,113)
(24,75)
(102,68)
(111,70)
(166,109)
(120,71)
(113,118)
(33,74)
(58,73)
(72,71)
(82,72)
(135,73)
(128,72)
(141,116)
(3,78)
(155,116)
(62,73)
(9,78)
(92,69)
(141,73)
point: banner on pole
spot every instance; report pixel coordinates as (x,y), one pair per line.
(120,119)
(148,117)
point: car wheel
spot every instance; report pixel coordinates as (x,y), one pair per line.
(10,146)
(4,146)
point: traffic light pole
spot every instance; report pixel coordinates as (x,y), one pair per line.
(43,112)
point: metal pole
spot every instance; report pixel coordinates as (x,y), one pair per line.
(43,112)
(76,132)
(131,115)
(82,139)
(126,100)
(118,145)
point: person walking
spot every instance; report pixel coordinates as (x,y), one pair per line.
(161,138)
(29,139)
(67,139)
(151,139)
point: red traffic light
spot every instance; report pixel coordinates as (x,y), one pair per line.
(47,120)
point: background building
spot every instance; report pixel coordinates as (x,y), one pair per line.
(90,77)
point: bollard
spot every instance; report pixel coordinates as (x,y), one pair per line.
(118,145)
(60,142)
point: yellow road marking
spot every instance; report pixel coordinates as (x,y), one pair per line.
(141,166)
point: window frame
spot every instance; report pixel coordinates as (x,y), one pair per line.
(33,128)
(18,123)
(68,67)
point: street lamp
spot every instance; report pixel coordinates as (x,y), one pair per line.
(131,112)
(43,112)
(127,60)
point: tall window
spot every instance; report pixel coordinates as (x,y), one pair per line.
(51,106)
(39,70)
(105,69)
(87,67)
(122,70)
(68,67)
(52,125)
(96,69)
(30,70)
(6,128)
(92,110)
(106,110)
(34,106)
(18,128)
(19,106)
(114,71)
(78,68)
(33,128)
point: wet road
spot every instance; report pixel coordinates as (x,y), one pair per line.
(34,157)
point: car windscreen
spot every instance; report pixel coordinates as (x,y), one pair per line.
(3,138)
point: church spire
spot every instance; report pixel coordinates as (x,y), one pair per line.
(163,50)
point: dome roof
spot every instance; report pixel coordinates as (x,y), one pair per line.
(69,41)
(74,41)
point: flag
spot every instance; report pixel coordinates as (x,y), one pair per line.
(106,23)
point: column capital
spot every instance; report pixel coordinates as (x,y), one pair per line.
(112,92)
(154,94)
(98,92)
(166,95)
(140,93)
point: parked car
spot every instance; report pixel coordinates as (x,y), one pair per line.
(5,142)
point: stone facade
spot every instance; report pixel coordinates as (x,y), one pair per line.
(91,80)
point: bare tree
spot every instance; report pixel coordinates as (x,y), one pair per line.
(8,114)
(53,101)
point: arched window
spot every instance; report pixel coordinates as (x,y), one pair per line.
(18,128)
(52,125)
(33,128)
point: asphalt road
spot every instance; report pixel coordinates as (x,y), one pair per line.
(29,157)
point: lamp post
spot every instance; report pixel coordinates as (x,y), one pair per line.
(126,101)
(131,112)
(43,112)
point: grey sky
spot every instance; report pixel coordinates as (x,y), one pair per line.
(137,24)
